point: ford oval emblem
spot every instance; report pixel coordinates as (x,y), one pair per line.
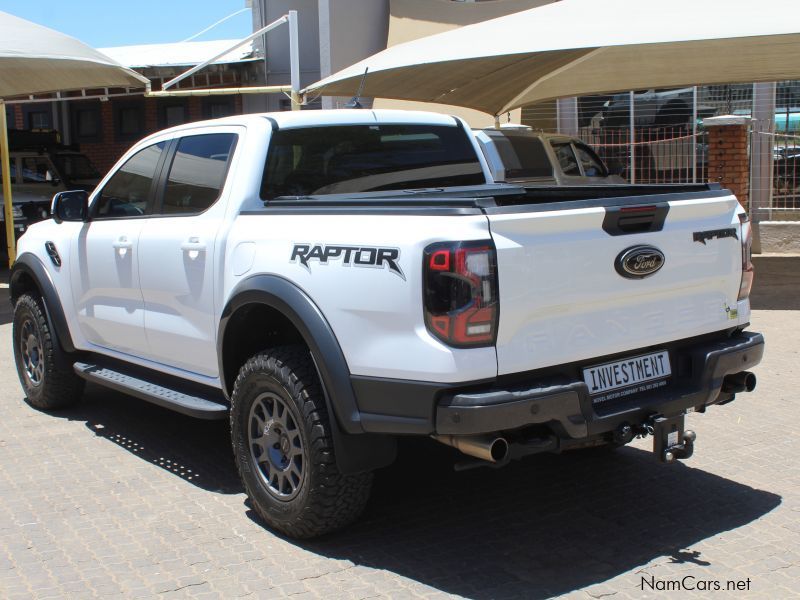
(639,262)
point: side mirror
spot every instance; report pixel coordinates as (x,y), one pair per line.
(70,206)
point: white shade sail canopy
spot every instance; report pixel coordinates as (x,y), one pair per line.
(35,59)
(579,47)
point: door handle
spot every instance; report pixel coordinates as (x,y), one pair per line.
(122,245)
(194,246)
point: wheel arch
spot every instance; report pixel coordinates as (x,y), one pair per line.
(29,274)
(275,301)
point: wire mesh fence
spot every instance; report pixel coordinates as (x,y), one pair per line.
(651,154)
(657,136)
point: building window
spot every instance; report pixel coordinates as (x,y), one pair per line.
(86,121)
(172,113)
(11,117)
(38,117)
(216,108)
(128,121)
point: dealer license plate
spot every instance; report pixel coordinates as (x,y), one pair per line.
(627,376)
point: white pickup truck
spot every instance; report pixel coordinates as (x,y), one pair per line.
(331,280)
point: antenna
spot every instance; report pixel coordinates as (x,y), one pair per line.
(355,101)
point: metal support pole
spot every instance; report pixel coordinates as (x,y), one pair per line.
(11,243)
(762,153)
(294,59)
(631,125)
(238,44)
(567,115)
(694,134)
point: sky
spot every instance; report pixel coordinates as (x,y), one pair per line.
(104,23)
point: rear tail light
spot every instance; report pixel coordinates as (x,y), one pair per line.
(460,293)
(747,255)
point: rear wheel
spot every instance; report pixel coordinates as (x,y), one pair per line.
(283,444)
(46,386)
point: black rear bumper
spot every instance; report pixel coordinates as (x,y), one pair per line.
(558,401)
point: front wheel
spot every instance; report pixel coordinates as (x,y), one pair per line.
(46,386)
(283,445)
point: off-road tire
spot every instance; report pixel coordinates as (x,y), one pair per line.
(52,387)
(325,500)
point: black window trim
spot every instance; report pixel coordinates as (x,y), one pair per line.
(172,150)
(157,175)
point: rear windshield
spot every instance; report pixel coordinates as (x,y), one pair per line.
(364,158)
(522,155)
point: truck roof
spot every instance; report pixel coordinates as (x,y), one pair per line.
(305,118)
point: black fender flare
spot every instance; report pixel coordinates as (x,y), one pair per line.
(356,451)
(30,265)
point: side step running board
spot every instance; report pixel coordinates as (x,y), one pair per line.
(197,406)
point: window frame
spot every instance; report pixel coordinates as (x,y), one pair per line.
(171,151)
(210,101)
(149,205)
(90,106)
(166,103)
(117,108)
(30,109)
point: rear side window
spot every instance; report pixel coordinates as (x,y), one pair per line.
(592,166)
(566,158)
(197,174)
(522,155)
(127,192)
(364,158)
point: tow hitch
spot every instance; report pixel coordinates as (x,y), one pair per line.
(671,441)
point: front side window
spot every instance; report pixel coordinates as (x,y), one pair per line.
(38,170)
(592,167)
(197,174)
(363,158)
(566,158)
(127,192)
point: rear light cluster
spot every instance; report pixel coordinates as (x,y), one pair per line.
(460,293)
(747,255)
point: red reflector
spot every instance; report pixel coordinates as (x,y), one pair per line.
(441,325)
(440,260)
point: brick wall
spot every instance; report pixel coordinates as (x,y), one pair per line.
(728,161)
(106,151)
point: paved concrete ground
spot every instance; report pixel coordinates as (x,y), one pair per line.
(117,498)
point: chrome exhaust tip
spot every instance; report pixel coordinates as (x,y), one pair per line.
(485,447)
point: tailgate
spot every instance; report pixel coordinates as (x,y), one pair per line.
(565,296)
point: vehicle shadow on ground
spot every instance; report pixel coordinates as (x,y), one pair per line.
(195,450)
(538,528)
(542,527)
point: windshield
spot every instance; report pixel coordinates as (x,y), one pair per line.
(76,166)
(363,158)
